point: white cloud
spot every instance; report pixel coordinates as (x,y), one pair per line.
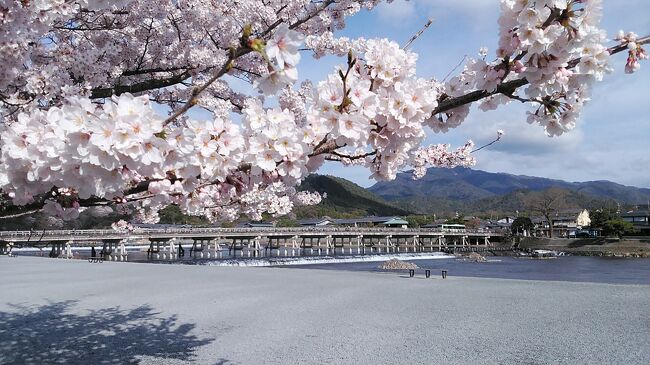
(475,12)
(396,12)
(520,137)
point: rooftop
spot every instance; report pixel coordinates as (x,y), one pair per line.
(636,213)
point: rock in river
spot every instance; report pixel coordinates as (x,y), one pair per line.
(396,264)
(476,257)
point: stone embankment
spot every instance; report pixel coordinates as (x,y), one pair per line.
(601,246)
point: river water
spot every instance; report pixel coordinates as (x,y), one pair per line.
(564,268)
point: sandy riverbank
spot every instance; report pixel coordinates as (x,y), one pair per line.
(60,311)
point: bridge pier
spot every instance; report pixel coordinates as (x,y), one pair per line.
(57,248)
(295,245)
(201,241)
(237,246)
(397,248)
(154,248)
(68,250)
(271,245)
(170,250)
(304,245)
(425,243)
(257,247)
(109,246)
(340,244)
(216,253)
(6,247)
(388,243)
(124,254)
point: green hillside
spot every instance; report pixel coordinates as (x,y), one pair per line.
(344,199)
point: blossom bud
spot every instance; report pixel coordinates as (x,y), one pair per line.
(256,45)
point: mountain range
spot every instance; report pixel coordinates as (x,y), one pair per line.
(475,190)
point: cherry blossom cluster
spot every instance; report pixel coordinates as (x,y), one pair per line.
(109,151)
(376,104)
(282,50)
(94,97)
(123,226)
(439,155)
(635,51)
(56,48)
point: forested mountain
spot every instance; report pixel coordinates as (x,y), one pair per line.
(475,190)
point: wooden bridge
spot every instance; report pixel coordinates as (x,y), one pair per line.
(251,242)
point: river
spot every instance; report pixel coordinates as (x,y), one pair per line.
(564,268)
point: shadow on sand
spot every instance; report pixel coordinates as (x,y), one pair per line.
(49,334)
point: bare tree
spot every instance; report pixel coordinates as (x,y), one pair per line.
(546,203)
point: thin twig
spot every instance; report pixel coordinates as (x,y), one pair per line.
(455,68)
(486,145)
(417,35)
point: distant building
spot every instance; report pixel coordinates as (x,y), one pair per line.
(451,227)
(640,219)
(499,226)
(506,220)
(256,225)
(372,222)
(161,226)
(315,222)
(566,223)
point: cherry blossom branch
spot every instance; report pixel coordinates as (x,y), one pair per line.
(509,87)
(139,87)
(156,70)
(341,156)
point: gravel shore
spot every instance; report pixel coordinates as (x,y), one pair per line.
(74,312)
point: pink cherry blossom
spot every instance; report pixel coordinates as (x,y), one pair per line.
(94,99)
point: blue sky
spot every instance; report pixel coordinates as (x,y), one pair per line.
(612,140)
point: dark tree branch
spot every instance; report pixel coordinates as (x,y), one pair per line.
(139,87)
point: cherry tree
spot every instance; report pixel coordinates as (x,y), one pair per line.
(97,99)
